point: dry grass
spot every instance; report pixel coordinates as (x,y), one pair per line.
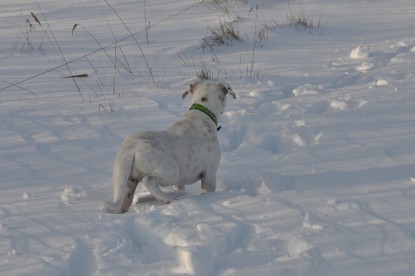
(301,20)
(203,72)
(225,33)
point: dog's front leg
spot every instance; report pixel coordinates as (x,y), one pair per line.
(180,187)
(208,183)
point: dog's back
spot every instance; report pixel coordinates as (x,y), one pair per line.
(186,152)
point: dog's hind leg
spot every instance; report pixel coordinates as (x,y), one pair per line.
(152,184)
(129,195)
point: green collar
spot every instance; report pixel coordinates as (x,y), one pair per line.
(205,110)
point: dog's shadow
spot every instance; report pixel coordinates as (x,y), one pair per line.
(149,199)
(147,202)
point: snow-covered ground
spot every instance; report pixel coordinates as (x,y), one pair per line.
(318,151)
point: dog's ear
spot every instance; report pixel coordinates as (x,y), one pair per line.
(191,90)
(226,89)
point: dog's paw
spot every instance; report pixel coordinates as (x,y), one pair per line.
(111,208)
(171,197)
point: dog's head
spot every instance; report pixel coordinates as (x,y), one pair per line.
(211,95)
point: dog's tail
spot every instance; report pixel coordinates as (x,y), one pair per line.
(120,174)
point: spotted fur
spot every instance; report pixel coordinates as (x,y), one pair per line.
(186,152)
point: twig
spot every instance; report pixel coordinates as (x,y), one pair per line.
(76,76)
(60,50)
(100,49)
(127,67)
(99,107)
(145,23)
(31,92)
(254,46)
(138,44)
(115,70)
(96,40)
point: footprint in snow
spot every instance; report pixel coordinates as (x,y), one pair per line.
(233,138)
(297,245)
(306,90)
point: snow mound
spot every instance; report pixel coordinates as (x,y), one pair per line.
(339,104)
(305,90)
(26,196)
(195,260)
(360,52)
(381,82)
(365,66)
(297,245)
(73,194)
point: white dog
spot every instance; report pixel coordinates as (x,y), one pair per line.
(186,152)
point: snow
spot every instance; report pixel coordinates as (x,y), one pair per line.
(360,52)
(317,175)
